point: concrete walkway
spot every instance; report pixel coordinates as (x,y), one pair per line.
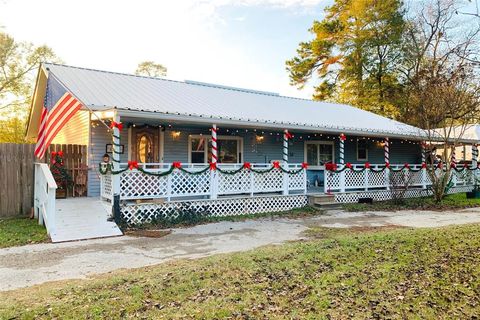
(34,264)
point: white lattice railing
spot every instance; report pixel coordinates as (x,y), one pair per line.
(135,184)
(44,197)
(369,179)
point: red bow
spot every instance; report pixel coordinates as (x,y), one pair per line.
(348,165)
(213,166)
(118,125)
(276,164)
(343,137)
(60,153)
(465,165)
(330,166)
(288,135)
(247,165)
(132,165)
(424,165)
(406,166)
(304,165)
(367,165)
(453,165)
(440,165)
(177,164)
(387,164)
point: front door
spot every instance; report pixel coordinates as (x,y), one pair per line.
(145,145)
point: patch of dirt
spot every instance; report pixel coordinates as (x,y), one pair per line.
(148,233)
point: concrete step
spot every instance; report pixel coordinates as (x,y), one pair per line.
(314,199)
(324,201)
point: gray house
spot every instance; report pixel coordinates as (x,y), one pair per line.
(269,152)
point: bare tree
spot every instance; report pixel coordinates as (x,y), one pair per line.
(441,75)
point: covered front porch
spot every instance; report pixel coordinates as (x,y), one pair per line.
(162,168)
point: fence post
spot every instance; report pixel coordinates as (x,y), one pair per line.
(342,178)
(387,178)
(252,182)
(424,178)
(285,179)
(169,185)
(326,176)
(213,184)
(305,181)
(365,178)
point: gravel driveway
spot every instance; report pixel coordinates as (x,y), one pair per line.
(34,264)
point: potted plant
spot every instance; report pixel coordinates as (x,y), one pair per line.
(475,193)
(60,174)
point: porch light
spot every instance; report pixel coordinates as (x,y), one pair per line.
(259,138)
(175,134)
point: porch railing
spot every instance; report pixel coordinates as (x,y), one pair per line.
(374,178)
(44,197)
(197,182)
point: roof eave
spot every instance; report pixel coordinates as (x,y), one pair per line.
(266,125)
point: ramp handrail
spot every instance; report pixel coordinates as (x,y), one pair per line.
(44,193)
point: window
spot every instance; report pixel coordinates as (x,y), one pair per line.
(197,149)
(362,150)
(317,153)
(229,149)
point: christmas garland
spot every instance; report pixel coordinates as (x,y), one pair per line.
(333,167)
(108,168)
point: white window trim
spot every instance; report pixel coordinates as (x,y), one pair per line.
(366,152)
(317,142)
(209,138)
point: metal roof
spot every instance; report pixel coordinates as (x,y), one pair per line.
(104,90)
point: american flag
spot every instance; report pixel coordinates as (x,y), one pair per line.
(58,107)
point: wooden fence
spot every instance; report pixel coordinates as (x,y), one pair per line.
(17,174)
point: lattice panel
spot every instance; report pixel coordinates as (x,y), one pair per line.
(136,214)
(376,179)
(297,181)
(268,182)
(186,184)
(332,180)
(234,183)
(354,179)
(135,185)
(352,197)
(106,186)
(416,178)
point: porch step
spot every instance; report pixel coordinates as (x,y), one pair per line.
(324,201)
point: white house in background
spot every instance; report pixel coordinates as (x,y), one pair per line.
(262,140)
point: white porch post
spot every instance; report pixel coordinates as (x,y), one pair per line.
(213,173)
(116,155)
(386,149)
(341,160)
(286,136)
(474,155)
(424,165)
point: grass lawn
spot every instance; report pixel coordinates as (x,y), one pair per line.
(450,202)
(337,274)
(21,231)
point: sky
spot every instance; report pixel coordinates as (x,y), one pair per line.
(242,43)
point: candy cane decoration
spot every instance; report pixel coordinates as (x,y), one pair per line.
(386,149)
(214,144)
(342,148)
(424,152)
(453,159)
(286,135)
(474,155)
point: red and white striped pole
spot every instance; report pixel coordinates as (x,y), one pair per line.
(386,149)
(214,144)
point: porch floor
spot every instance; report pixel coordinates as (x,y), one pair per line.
(82,218)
